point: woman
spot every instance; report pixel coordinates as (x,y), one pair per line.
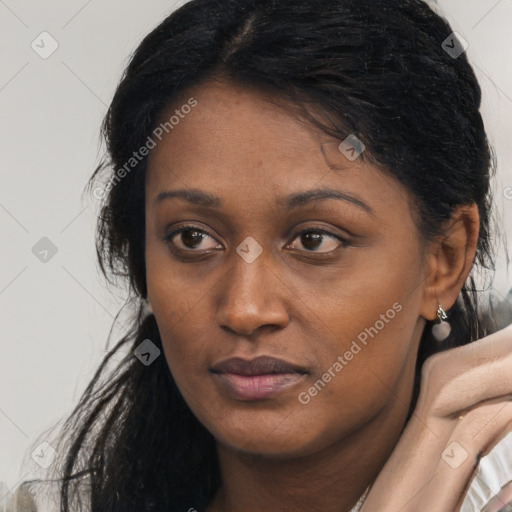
(298,195)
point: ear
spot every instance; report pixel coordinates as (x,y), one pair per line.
(449,259)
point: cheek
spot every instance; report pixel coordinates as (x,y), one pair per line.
(369,349)
(184,334)
(186,353)
(362,371)
(182,317)
(365,351)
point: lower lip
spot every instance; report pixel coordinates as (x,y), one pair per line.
(257,387)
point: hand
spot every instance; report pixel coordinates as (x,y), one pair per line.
(464,409)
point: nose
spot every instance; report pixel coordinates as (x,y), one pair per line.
(252,295)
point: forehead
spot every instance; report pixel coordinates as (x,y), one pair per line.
(239,142)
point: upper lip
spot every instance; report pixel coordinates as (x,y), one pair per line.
(261,365)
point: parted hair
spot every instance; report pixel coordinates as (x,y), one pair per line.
(377,69)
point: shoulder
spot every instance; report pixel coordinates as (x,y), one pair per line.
(492,483)
(35,495)
(21,499)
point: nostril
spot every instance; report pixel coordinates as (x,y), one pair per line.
(238,332)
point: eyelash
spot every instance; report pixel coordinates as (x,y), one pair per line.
(343,241)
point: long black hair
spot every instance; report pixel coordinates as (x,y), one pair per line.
(383,70)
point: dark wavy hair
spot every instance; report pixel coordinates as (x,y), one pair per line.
(373,68)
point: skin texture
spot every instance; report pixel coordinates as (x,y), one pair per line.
(294,301)
(463,411)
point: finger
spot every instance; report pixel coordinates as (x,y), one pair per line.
(473,438)
(460,378)
(438,466)
(475,379)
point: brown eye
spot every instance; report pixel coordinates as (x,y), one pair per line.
(313,239)
(191,238)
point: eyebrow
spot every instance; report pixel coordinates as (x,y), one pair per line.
(195,196)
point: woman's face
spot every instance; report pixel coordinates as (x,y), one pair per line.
(339,304)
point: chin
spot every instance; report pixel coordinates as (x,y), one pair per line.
(275,435)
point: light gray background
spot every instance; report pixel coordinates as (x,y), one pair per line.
(55,316)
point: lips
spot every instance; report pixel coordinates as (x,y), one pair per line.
(258,378)
(262,365)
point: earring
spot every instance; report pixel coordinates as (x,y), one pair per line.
(148,310)
(442,330)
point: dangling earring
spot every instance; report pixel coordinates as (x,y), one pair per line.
(442,330)
(148,310)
